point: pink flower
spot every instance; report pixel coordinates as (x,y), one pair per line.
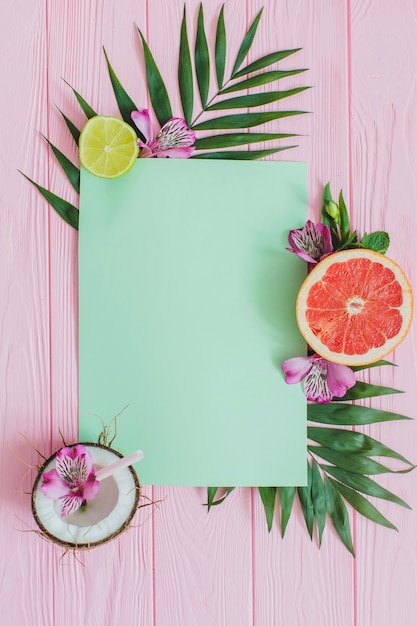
(174,140)
(312,242)
(322,379)
(73,480)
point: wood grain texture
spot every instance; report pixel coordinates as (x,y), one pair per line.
(179,564)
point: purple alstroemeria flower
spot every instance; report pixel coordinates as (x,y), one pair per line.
(312,242)
(73,480)
(322,379)
(174,140)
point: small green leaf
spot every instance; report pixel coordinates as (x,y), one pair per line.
(66,210)
(362,505)
(364,484)
(304,495)
(124,101)
(211,493)
(338,514)
(358,368)
(244,120)
(353,462)
(318,498)
(349,414)
(378,241)
(286,497)
(260,79)
(236,139)
(254,99)
(365,390)
(265,61)
(157,90)
(240,155)
(344,220)
(70,170)
(220,48)
(87,110)
(71,127)
(185,74)
(268,497)
(202,59)
(246,44)
(353,442)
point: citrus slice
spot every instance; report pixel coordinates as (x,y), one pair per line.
(108,146)
(354,307)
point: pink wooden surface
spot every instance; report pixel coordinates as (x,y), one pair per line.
(182,566)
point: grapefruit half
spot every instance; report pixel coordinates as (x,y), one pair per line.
(354,307)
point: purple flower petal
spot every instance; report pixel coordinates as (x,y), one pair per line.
(326,234)
(339,378)
(91,488)
(143,123)
(74,464)
(176,153)
(53,486)
(70,504)
(311,242)
(175,134)
(297,368)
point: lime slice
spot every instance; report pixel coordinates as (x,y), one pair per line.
(108,146)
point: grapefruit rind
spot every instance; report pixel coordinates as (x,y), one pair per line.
(373,354)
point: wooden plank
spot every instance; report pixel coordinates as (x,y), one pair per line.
(384,161)
(295,582)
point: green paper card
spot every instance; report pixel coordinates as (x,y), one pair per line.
(186,312)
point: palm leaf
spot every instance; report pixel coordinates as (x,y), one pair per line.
(268,497)
(352,442)
(318,498)
(124,101)
(220,48)
(71,127)
(211,493)
(202,59)
(246,44)
(304,495)
(357,463)
(66,210)
(70,170)
(86,108)
(260,79)
(286,497)
(243,120)
(365,390)
(237,139)
(358,368)
(349,414)
(157,90)
(338,514)
(240,155)
(265,61)
(185,74)
(254,99)
(363,484)
(362,505)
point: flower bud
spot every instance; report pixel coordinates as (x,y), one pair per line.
(332,209)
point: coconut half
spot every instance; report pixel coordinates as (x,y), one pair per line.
(103,519)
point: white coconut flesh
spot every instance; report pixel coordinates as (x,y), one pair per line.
(103,518)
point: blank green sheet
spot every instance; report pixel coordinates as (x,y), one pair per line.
(186,312)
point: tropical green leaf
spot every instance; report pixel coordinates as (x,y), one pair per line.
(86,108)
(265,61)
(349,414)
(361,504)
(211,494)
(236,139)
(363,484)
(240,155)
(286,497)
(260,79)
(70,170)
(338,514)
(365,390)
(246,44)
(377,241)
(352,441)
(71,127)
(220,48)
(358,368)
(357,463)
(202,59)
(254,99)
(243,120)
(304,495)
(268,497)
(185,73)
(318,498)
(344,220)
(156,86)
(66,210)
(124,101)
